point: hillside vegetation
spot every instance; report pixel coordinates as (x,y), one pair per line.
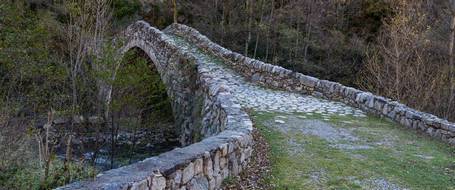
(59,62)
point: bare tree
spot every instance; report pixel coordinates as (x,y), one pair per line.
(46,146)
(87,38)
(174,8)
(401,66)
(258,27)
(451,74)
(249,10)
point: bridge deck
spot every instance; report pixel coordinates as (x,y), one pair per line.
(321,144)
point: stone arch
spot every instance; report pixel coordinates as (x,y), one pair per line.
(203,102)
(177,71)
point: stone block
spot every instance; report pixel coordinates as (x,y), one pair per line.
(224,149)
(245,154)
(188,173)
(208,167)
(212,184)
(452,141)
(141,185)
(198,183)
(317,94)
(158,182)
(234,165)
(198,166)
(307,80)
(421,125)
(256,77)
(223,162)
(451,127)
(170,184)
(225,172)
(218,180)
(216,163)
(437,133)
(448,126)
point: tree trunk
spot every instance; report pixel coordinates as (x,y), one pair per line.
(174,7)
(451,65)
(307,34)
(114,132)
(249,11)
(452,39)
(258,29)
(223,22)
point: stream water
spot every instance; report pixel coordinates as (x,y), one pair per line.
(104,151)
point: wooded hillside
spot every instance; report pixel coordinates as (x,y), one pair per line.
(59,59)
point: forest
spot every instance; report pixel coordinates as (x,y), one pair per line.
(59,65)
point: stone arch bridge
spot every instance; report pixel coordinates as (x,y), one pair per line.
(210,88)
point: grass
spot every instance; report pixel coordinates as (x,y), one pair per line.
(32,176)
(228,181)
(408,159)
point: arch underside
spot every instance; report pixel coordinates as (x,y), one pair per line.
(179,77)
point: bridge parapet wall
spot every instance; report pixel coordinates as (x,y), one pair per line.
(224,152)
(279,78)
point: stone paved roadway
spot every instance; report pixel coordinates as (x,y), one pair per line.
(259,98)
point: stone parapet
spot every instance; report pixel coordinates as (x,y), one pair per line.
(276,77)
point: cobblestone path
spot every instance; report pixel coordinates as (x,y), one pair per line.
(259,98)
